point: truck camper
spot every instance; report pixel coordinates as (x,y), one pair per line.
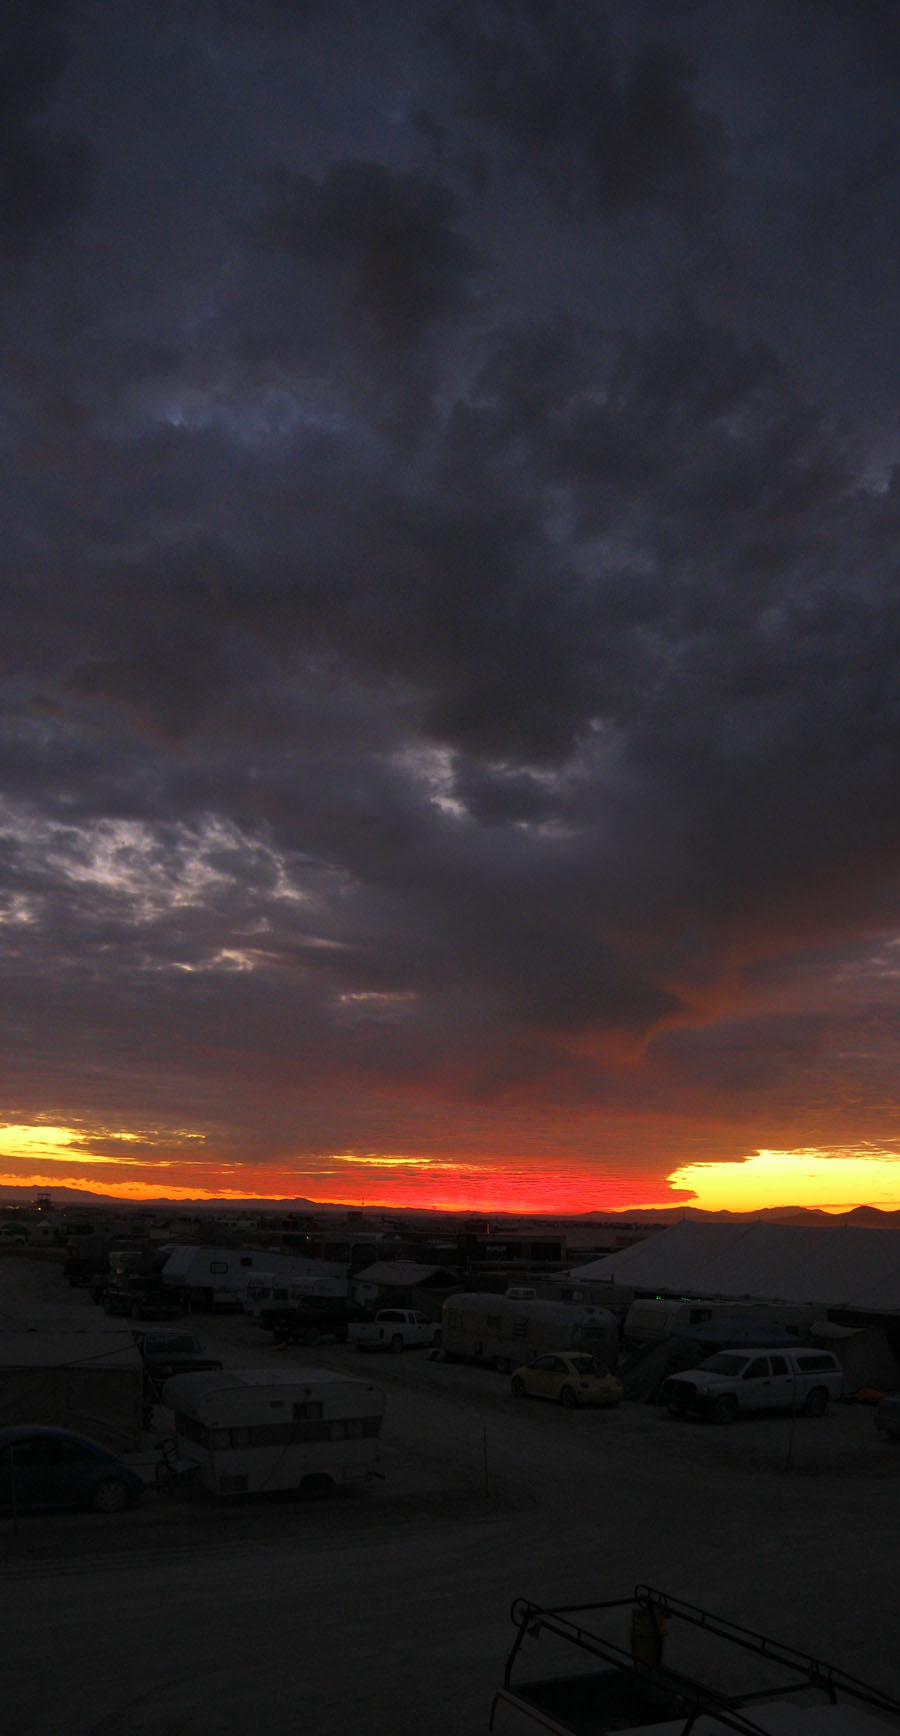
(254,1430)
(506,1331)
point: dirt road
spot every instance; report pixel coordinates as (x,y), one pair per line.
(386,1612)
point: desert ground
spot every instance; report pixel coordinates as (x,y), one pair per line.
(386,1610)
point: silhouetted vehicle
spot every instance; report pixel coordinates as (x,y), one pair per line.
(44,1468)
(139,1298)
(313,1319)
(166,1353)
(80,1270)
(887,1415)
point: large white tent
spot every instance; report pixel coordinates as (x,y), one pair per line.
(841,1267)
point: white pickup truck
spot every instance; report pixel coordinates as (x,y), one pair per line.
(611,1671)
(393,1329)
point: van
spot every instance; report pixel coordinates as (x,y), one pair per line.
(737,1382)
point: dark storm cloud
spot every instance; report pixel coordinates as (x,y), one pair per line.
(43,172)
(388,243)
(876,23)
(599,132)
(446,646)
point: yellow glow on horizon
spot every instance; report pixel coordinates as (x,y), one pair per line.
(51,1145)
(831,1179)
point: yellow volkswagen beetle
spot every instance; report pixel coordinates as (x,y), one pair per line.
(572,1377)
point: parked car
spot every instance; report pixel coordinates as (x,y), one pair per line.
(572,1377)
(166,1353)
(887,1415)
(81,1270)
(737,1381)
(54,1468)
(140,1298)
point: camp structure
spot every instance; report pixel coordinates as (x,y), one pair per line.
(91,1381)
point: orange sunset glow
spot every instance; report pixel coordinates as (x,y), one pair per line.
(834,1180)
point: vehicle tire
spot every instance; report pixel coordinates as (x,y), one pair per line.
(312,1336)
(396,1342)
(165,1477)
(110,1496)
(517,1387)
(568,1397)
(725,1408)
(816,1402)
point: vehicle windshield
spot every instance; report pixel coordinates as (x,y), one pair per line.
(725,1362)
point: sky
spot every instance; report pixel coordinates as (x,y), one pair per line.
(449,631)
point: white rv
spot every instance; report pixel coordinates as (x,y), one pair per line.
(509,1330)
(252,1430)
(269,1292)
(211,1278)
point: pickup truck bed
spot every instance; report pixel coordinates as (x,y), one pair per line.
(394,1329)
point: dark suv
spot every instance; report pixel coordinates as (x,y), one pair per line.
(139,1298)
(312,1319)
(166,1353)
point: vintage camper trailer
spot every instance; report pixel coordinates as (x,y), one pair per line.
(508,1330)
(252,1430)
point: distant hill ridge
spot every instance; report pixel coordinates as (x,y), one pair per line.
(811,1217)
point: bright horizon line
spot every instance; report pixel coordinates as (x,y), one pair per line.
(209,1198)
(122,1165)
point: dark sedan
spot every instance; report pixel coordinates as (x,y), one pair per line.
(43,1468)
